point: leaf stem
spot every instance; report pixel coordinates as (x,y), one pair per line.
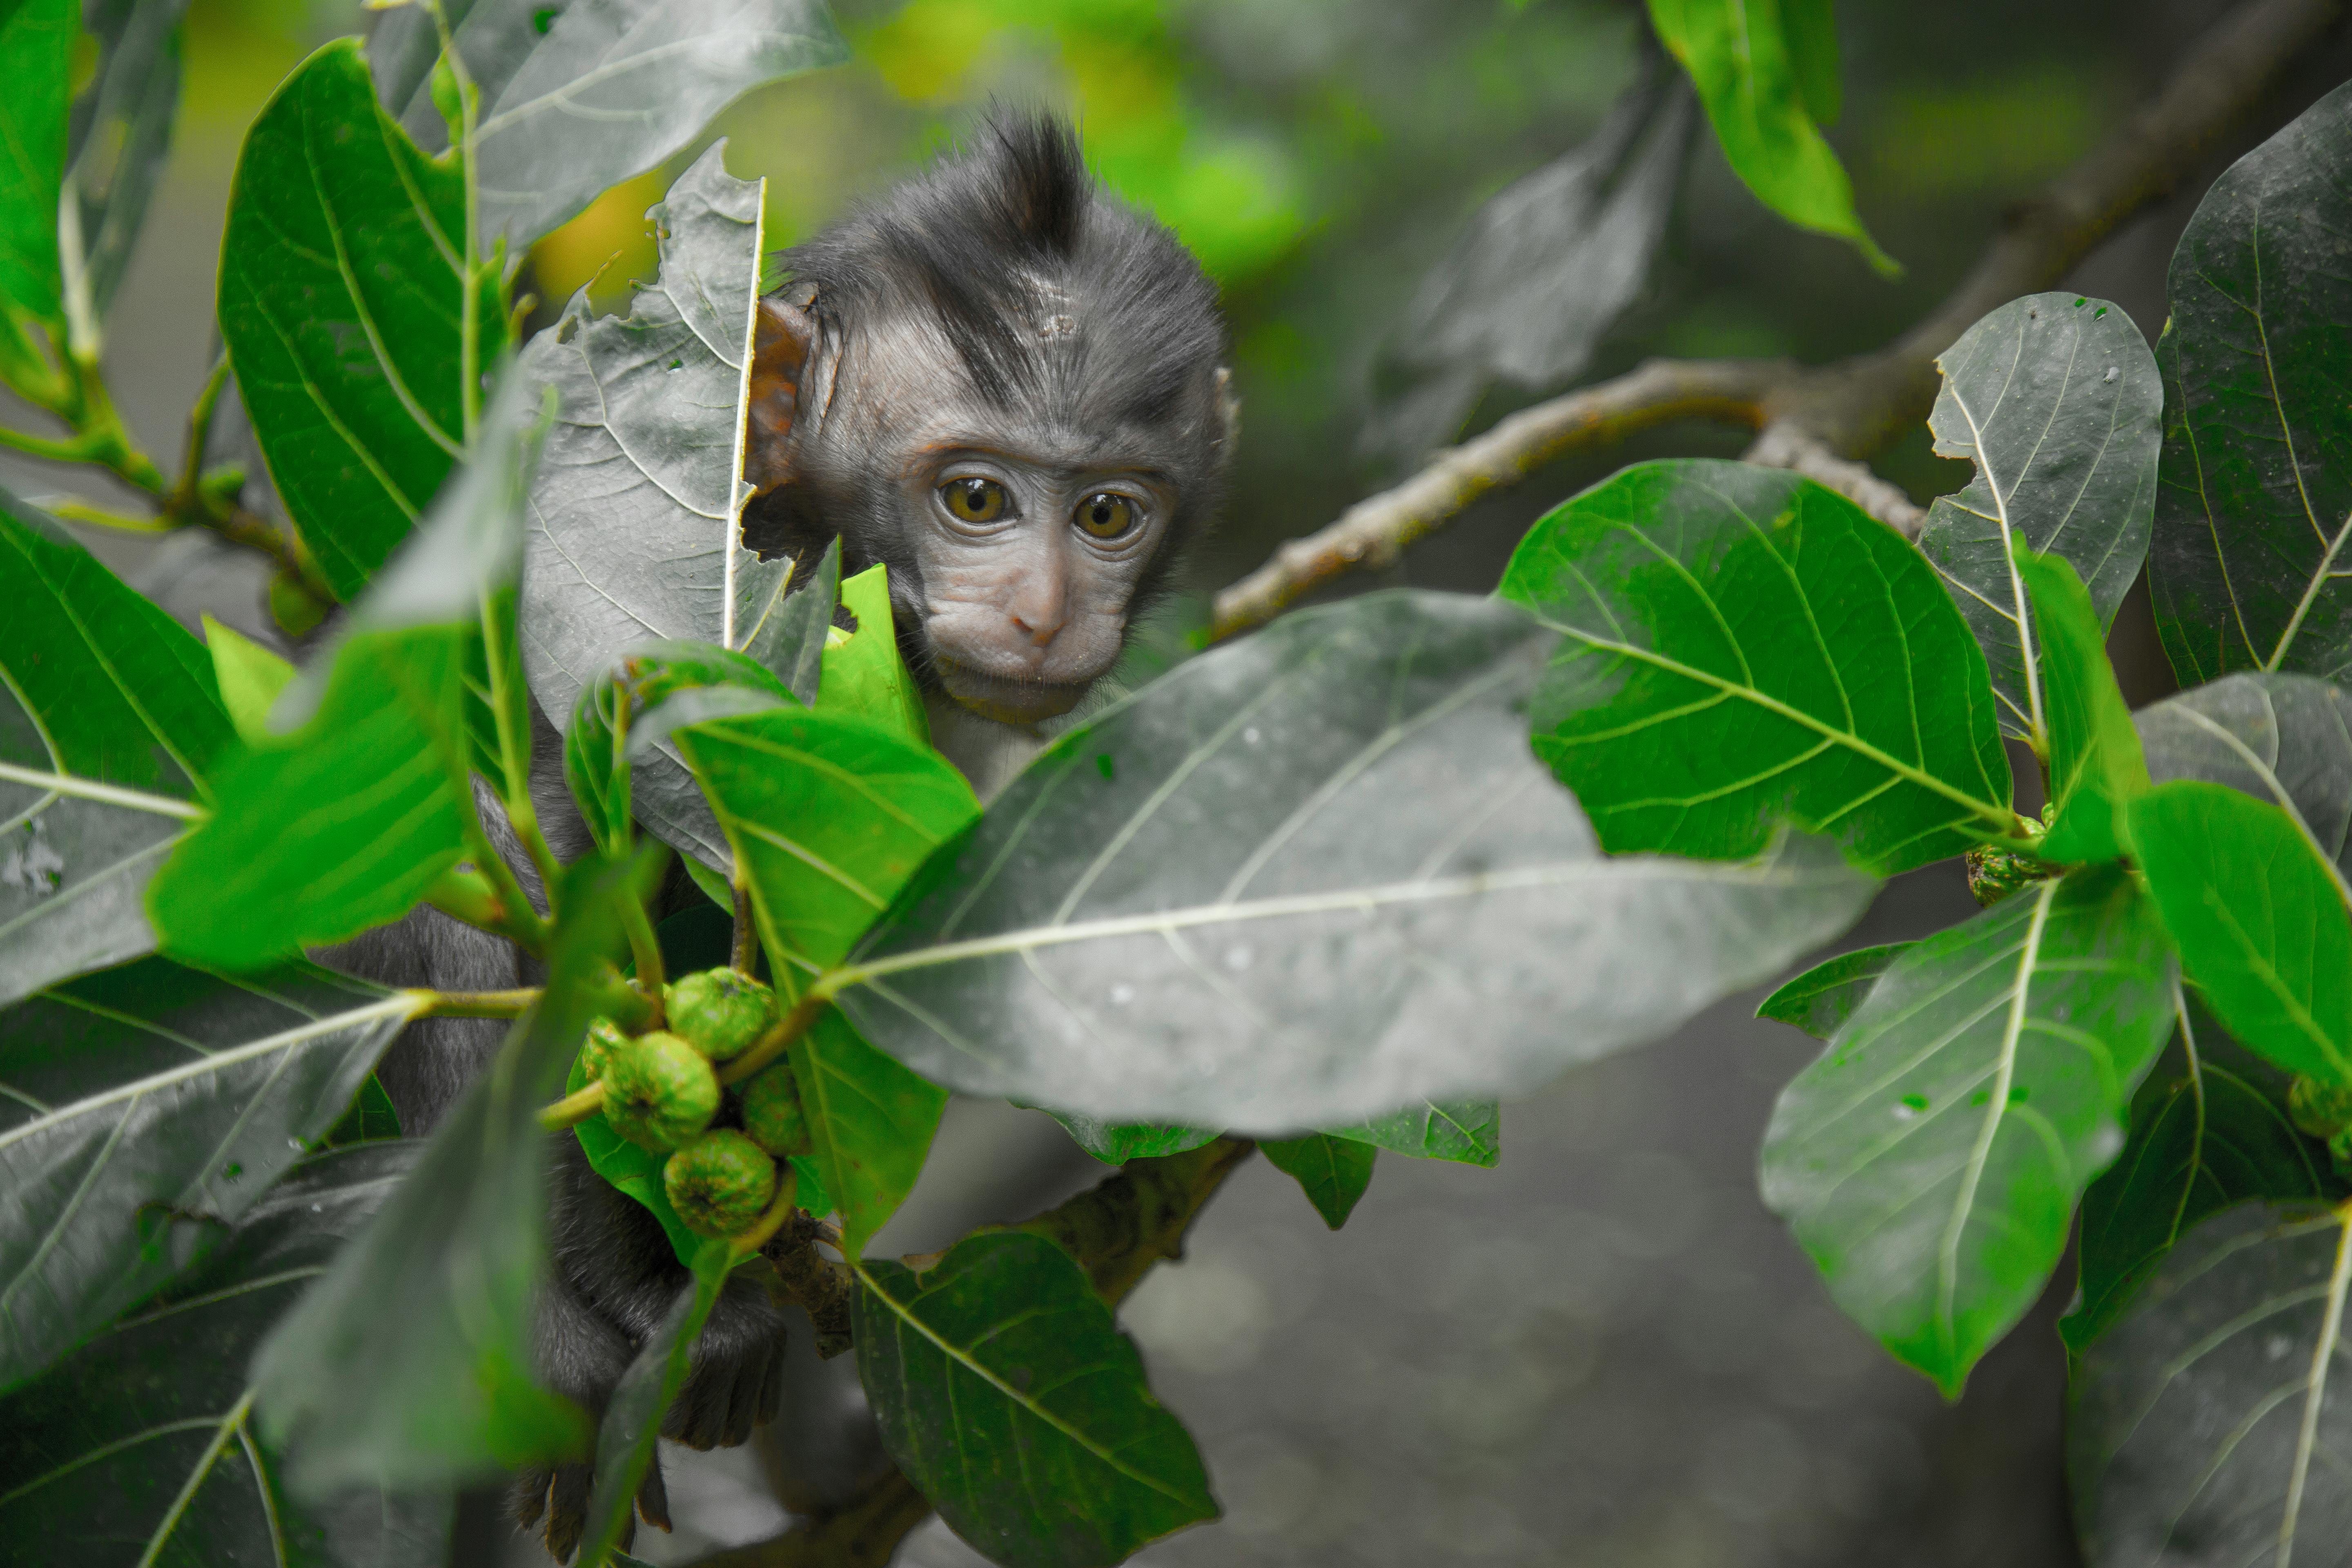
(573,1108)
(469,325)
(478,1003)
(744,950)
(643,947)
(787,1185)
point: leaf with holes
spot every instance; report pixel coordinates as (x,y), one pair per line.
(145,1109)
(1824,997)
(341,301)
(1006,1394)
(143,1441)
(1226,901)
(2056,400)
(1929,1161)
(1745,649)
(109,721)
(2214,1413)
(2286,739)
(580,97)
(1334,1172)
(2254,507)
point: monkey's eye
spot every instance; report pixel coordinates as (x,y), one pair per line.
(975,500)
(1107,514)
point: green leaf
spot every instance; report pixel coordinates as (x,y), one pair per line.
(635,511)
(372,1119)
(409,1364)
(341,294)
(1745,647)
(1929,1161)
(576,99)
(2096,768)
(865,676)
(1332,1172)
(872,1121)
(1824,997)
(36,41)
(110,723)
(1469,1132)
(119,138)
(1756,88)
(649,689)
(1809,29)
(1116,1143)
(2254,507)
(789,644)
(140,1446)
(624,1440)
(2056,400)
(1008,1396)
(2212,1131)
(143,1107)
(2207,1423)
(2286,739)
(2260,920)
(1227,902)
(250,678)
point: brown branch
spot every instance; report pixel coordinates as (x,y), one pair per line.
(1117,1230)
(1830,413)
(1784,446)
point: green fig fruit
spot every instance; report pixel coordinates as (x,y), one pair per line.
(720,1012)
(660,1091)
(772,1111)
(719,1184)
(604,1037)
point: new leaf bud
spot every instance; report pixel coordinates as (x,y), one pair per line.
(719,1184)
(660,1091)
(720,1012)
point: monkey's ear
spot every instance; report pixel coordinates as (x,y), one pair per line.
(782,339)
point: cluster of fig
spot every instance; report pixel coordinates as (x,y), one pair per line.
(662,1093)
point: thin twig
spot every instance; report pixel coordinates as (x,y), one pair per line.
(1851,409)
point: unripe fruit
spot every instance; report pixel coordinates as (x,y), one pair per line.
(720,1012)
(660,1091)
(605,1039)
(719,1184)
(772,1111)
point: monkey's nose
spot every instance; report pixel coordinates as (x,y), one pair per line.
(1038,623)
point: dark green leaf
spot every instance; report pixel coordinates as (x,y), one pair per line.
(634,517)
(1116,1143)
(624,1440)
(872,1121)
(145,1108)
(649,689)
(1930,1161)
(789,644)
(1332,1172)
(1227,901)
(409,1364)
(1748,76)
(1469,1132)
(2209,1423)
(1745,647)
(1824,997)
(865,676)
(109,721)
(140,1446)
(120,133)
(2212,1131)
(36,41)
(341,291)
(576,98)
(2056,400)
(372,1119)
(1007,1395)
(2096,769)
(2255,502)
(2259,918)
(2286,739)
(1810,27)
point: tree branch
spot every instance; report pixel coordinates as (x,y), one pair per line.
(1815,419)
(1117,1230)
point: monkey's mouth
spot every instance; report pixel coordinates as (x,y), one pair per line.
(1004,698)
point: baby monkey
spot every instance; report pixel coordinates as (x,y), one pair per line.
(1010,388)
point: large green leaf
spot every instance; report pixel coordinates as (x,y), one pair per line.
(410,1364)
(341,300)
(1228,901)
(2213,1422)
(140,1446)
(1334,1172)
(1007,1395)
(2096,767)
(145,1107)
(1929,1161)
(1758,85)
(2286,739)
(635,514)
(36,41)
(649,689)
(110,719)
(2056,400)
(2254,509)
(1745,647)
(871,1120)
(2209,1128)
(1824,997)
(579,98)
(2260,920)
(121,134)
